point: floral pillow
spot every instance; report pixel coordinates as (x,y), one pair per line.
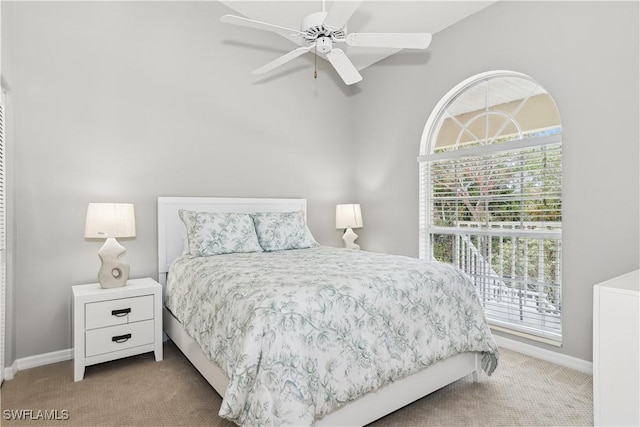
(279,231)
(215,233)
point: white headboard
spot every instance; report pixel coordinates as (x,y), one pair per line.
(171,230)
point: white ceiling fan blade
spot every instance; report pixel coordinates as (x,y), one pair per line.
(340,12)
(390,40)
(250,23)
(283,59)
(343,66)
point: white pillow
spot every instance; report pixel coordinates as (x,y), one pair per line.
(279,231)
(216,233)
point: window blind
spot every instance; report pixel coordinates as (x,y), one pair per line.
(496,212)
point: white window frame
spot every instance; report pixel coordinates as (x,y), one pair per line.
(428,155)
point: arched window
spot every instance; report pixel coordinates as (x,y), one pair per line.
(491,201)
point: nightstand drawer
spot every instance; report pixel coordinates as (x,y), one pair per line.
(121,337)
(118,311)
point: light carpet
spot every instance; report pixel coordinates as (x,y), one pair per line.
(138,391)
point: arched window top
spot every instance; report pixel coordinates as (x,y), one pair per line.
(489,108)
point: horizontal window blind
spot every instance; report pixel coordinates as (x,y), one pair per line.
(497,214)
(518,189)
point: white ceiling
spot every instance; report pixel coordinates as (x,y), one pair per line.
(373,16)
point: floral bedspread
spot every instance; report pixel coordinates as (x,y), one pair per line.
(299,333)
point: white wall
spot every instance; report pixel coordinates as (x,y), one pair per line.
(124,101)
(586,54)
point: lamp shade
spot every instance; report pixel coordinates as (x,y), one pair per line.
(110,220)
(348,216)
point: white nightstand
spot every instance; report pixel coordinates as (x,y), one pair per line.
(109,324)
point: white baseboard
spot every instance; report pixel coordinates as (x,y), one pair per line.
(37,360)
(10,371)
(548,355)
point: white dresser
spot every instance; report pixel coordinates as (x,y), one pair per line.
(112,323)
(616,351)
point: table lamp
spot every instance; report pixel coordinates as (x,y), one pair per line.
(111,221)
(348,217)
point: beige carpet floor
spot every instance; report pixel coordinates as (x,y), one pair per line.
(138,391)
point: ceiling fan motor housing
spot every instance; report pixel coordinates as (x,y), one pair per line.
(314,29)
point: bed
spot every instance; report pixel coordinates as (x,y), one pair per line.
(324,369)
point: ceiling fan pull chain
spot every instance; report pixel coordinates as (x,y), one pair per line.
(315,62)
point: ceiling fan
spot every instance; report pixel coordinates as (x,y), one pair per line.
(326,29)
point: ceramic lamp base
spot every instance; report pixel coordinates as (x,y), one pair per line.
(114,271)
(349,237)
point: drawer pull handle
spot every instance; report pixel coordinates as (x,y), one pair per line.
(121,338)
(121,312)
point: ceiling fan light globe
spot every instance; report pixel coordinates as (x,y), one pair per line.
(324,44)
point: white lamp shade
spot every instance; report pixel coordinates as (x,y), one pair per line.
(110,220)
(348,216)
